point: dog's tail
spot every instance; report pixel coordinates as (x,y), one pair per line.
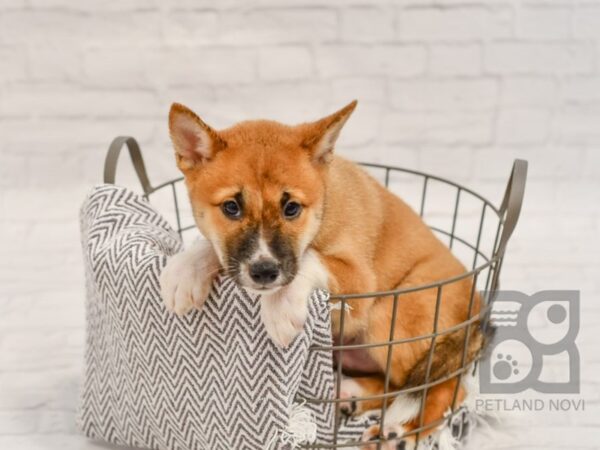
(448,355)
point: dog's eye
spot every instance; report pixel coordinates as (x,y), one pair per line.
(291,210)
(231,209)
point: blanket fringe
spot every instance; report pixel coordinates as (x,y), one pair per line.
(301,429)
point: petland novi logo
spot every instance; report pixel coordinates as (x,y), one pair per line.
(534,344)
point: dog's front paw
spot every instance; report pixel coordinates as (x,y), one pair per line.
(283,333)
(183,287)
(284,313)
(187,278)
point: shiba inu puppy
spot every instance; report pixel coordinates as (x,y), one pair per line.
(283,215)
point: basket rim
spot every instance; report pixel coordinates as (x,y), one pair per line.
(433,177)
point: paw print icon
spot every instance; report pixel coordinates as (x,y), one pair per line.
(505,367)
(534,344)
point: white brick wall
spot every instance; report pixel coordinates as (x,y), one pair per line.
(452,87)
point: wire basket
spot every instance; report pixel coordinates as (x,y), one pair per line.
(474,229)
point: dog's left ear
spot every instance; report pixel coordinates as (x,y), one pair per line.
(194,141)
(322,134)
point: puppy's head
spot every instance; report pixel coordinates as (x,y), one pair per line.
(257,190)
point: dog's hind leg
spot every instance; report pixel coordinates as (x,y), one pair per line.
(352,388)
(403,434)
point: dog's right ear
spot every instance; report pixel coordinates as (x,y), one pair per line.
(194,141)
(323,133)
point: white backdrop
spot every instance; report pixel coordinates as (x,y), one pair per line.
(455,88)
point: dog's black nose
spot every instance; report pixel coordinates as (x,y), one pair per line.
(264,271)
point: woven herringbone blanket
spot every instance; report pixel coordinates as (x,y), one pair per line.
(208,381)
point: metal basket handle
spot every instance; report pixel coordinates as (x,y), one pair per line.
(510,208)
(112,158)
